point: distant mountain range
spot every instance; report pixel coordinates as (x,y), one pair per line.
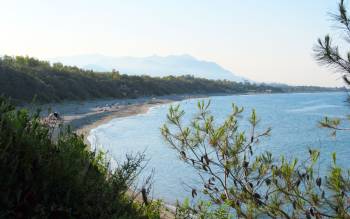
(153,65)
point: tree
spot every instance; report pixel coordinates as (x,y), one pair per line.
(328,54)
(115,75)
(239,182)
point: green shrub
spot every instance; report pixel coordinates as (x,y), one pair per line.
(62,179)
(238,181)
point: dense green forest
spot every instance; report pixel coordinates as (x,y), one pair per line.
(23,78)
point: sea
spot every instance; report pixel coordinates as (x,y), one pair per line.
(293,117)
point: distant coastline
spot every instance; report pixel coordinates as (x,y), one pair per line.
(49,83)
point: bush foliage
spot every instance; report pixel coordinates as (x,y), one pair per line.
(62,179)
(240,182)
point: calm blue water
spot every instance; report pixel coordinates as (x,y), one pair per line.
(292,117)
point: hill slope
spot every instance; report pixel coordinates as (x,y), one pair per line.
(22,78)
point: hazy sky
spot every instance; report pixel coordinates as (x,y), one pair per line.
(264,40)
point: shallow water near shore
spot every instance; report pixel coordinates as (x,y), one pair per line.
(292,117)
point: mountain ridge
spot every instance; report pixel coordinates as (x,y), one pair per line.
(155,65)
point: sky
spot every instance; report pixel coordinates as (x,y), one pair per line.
(263,40)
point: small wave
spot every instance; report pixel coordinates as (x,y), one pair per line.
(313,108)
(311,102)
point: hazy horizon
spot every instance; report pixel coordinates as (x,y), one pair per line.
(265,41)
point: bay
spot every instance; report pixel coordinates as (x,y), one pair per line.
(293,118)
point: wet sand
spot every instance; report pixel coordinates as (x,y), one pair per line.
(82,117)
(85,124)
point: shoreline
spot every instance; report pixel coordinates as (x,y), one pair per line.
(125,111)
(82,117)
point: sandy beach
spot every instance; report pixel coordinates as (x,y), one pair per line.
(84,116)
(83,124)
